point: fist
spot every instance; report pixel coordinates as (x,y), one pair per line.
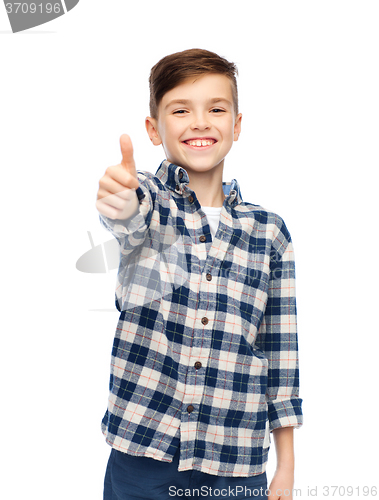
(116,197)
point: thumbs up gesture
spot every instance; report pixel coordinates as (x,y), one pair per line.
(116,197)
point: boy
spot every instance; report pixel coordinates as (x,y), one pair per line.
(204,362)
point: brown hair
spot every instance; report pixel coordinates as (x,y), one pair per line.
(173,69)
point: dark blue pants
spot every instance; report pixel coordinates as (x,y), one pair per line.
(131,478)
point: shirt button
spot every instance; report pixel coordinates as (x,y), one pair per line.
(204,321)
(202,238)
(190,199)
(197,365)
(209,277)
(190,408)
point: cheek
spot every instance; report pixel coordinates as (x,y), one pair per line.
(228,128)
(229,133)
(176,130)
(167,137)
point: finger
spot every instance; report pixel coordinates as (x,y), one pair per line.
(120,175)
(113,200)
(118,184)
(127,155)
(107,210)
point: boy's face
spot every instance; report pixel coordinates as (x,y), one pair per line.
(197,123)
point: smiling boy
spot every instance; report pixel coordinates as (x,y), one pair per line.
(204,362)
(197,132)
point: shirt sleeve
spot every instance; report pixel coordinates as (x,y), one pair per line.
(277,337)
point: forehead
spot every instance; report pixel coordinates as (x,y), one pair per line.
(204,87)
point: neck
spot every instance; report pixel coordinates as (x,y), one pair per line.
(208,186)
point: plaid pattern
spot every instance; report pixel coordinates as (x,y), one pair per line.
(205,352)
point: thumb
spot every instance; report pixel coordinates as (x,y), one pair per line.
(127,155)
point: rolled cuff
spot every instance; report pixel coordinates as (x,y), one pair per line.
(285,413)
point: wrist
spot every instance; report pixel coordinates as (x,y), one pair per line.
(287,466)
(285,455)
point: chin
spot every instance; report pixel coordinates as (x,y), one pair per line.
(200,167)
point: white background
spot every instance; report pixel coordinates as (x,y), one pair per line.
(308,86)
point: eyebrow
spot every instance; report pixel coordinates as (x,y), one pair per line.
(188,101)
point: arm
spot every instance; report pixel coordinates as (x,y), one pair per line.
(125,207)
(285,458)
(278,340)
(277,336)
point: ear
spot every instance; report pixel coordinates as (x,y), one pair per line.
(237,126)
(152,130)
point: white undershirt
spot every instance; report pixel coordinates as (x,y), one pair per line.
(213,217)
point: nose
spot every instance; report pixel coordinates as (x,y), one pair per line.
(200,122)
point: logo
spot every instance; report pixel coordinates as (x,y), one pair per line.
(100,258)
(26,14)
(147,272)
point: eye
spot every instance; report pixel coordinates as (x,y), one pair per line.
(217,110)
(179,112)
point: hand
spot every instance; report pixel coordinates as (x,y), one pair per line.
(116,197)
(281,485)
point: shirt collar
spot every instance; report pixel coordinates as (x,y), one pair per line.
(176,178)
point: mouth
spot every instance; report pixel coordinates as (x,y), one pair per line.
(200,143)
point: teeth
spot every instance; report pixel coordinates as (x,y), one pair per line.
(200,143)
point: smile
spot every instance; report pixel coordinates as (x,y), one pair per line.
(200,143)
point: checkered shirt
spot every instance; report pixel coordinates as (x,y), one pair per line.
(205,353)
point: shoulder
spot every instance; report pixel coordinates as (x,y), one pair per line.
(145,175)
(149,183)
(266,222)
(152,180)
(261,215)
